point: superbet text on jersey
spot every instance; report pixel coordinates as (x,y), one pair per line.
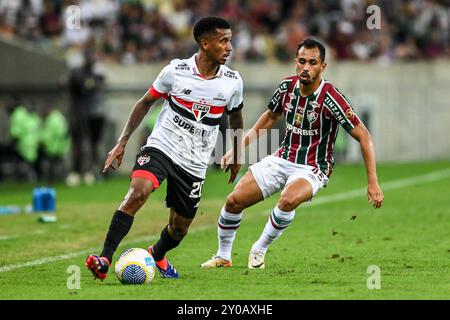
(188,125)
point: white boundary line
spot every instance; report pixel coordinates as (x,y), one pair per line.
(396,184)
(14,236)
(8,237)
(75,254)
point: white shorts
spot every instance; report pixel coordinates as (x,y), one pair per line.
(272,174)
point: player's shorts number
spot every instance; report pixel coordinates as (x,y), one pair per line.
(196,189)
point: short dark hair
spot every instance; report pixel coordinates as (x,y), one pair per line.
(310,43)
(207,25)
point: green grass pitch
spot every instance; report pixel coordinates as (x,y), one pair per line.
(324,254)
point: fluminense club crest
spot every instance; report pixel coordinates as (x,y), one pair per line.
(143,160)
(311,115)
(200,110)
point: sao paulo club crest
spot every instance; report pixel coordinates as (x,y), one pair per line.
(200,110)
(143,160)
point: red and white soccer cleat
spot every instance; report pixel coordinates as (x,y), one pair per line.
(98,266)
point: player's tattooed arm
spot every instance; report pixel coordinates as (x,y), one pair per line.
(138,113)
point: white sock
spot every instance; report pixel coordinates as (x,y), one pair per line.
(278,221)
(226,232)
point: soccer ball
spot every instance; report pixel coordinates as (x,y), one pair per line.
(135,266)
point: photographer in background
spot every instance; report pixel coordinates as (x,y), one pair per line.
(87,119)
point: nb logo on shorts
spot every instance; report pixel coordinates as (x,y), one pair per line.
(143,160)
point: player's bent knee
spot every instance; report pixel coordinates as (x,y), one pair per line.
(287,203)
(233,204)
(139,196)
(134,200)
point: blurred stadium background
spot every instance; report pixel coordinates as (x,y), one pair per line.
(397,77)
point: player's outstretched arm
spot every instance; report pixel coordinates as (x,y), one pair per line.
(266,121)
(138,113)
(374,192)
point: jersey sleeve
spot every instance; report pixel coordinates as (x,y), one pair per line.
(341,109)
(236,101)
(163,84)
(276,102)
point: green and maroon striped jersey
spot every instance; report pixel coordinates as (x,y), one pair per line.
(312,122)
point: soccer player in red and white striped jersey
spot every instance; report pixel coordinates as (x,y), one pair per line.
(197,92)
(313,110)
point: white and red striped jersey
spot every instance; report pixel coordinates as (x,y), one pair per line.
(312,122)
(187,127)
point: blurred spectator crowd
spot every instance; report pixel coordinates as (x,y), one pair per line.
(33,144)
(141,31)
(38,131)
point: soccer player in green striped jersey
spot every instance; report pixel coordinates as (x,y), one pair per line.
(313,110)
